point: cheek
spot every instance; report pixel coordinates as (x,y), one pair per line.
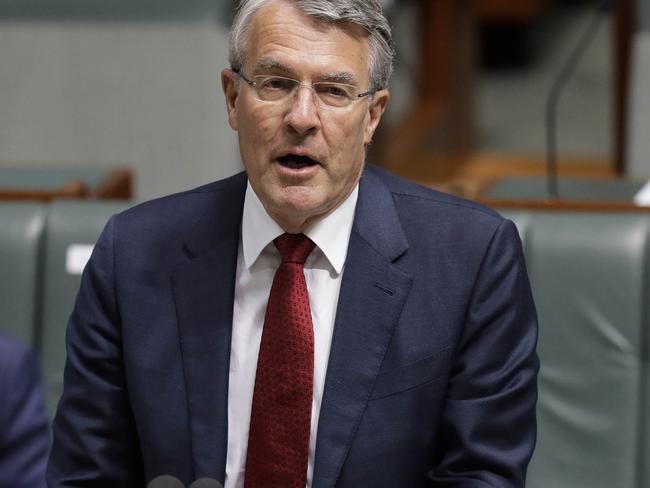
(267,129)
(347,143)
(257,130)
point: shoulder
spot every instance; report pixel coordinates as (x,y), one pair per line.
(15,359)
(428,205)
(24,432)
(226,192)
(173,216)
(19,374)
(154,235)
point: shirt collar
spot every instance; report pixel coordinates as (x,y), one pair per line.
(331,234)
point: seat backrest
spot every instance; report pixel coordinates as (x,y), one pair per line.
(72,229)
(21,239)
(638,120)
(589,278)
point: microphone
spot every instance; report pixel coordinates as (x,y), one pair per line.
(556,91)
(165,481)
(206,483)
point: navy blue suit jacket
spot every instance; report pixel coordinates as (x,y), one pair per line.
(24,430)
(431,378)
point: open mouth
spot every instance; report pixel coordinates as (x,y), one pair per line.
(293,161)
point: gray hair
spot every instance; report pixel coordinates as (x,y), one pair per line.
(364,13)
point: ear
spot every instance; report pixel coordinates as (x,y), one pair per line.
(377,106)
(230,85)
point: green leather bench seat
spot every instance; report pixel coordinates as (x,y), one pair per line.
(589,278)
(21,240)
(536,188)
(43,249)
(72,228)
(589,273)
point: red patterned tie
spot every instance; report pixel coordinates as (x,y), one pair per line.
(278,441)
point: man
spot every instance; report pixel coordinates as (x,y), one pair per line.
(24,433)
(311,322)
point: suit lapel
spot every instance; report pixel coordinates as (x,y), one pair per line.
(373,293)
(204,292)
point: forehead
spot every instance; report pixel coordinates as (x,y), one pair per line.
(282,34)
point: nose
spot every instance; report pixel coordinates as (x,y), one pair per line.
(302,114)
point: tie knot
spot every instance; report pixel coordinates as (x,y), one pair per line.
(294,248)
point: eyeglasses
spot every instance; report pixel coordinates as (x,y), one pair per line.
(328,95)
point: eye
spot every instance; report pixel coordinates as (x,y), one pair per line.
(276,84)
(333,90)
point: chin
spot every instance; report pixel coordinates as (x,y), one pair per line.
(300,197)
(300,204)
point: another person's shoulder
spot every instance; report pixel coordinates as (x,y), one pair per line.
(24,432)
(13,356)
(19,374)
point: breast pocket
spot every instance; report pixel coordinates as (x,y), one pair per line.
(412,375)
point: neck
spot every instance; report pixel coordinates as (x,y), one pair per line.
(293,225)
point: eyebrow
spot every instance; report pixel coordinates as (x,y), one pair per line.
(339,77)
(273,65)
(270,64)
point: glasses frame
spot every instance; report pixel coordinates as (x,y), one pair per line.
(320,103)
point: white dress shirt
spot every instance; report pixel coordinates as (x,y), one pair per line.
(257,262)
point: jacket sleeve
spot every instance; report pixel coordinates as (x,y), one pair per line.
(488,427)
(94,436)
(24,433)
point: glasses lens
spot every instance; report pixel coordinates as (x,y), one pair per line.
(274,88)
(334,94)
(279,89)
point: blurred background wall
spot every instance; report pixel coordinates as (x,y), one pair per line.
(136,84)
(99,84)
